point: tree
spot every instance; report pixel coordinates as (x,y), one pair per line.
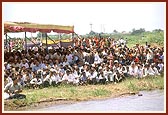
(141,30)
(115,31)
(92,33)
(157,30)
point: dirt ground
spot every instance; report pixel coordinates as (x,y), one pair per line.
(35,106)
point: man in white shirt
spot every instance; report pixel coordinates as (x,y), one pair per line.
(36,82)
(58,79)
(50,78)
(69,58)
(97,59)
(13,90)
(133,69)
(93,75)
(154,69)
(161,66)
(149,71)
(105,73)
(139,71)
(65,77)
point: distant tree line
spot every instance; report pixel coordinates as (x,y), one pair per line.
(139,31)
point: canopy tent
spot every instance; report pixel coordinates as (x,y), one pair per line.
(34,27)
(12,27)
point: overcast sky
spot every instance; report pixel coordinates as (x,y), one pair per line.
(104,17)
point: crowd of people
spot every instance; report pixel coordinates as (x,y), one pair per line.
(88,61)
(14,44)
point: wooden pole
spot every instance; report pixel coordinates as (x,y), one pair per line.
(46,42)
(72,35)
(6,39)
(25,42)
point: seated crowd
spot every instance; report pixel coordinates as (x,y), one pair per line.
(88,61)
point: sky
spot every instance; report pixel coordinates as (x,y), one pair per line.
(104,17)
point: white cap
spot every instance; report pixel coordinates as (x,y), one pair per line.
(86,63)
(132,63)
(39,70)
(116,61)
(121,55)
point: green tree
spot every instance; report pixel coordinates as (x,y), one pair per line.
(139,31)
(115,31)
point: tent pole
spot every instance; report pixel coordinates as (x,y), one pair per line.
(72,35)
(46,43)
(6,39)
(59,36)
(60,39)
(25,42)
(73,39)
(77,35)
(51,39)
(8,42)
(32,42)
(9,45)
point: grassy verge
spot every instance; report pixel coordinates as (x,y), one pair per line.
(81,93)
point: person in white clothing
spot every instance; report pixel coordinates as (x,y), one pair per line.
(47,80)
(148,71)
(69,57)
(97,59)
(125,72)
(133,69)
(58,79)
(36,82)
(151,71)
(93,75)
(155,69)
(13,89)
(66,77)
(71,78)
(105,73)
(110,74)
(8,66)
(145,70)
(83,78)
(139,71)
(76,76)
(161,66)
(101,78)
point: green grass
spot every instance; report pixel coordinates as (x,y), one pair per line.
(148,83)
(100,92)
(153,38)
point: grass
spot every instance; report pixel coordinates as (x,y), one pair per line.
(89,92)
(153,38)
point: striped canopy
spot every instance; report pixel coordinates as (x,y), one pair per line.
(34,27)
